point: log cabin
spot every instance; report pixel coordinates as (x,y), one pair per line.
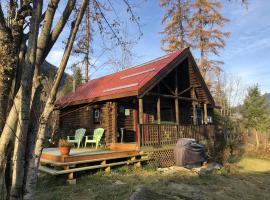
(149,105)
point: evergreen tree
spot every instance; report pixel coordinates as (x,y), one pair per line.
(77,77)
(256,112)
(176,21)
(206,34)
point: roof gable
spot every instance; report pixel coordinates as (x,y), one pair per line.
(132,81)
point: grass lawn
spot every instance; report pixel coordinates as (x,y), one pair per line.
(251,180)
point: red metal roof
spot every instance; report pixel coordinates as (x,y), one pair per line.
(128,80)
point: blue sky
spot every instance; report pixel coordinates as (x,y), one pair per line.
(246,55)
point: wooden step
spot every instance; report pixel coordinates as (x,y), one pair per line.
(58,172)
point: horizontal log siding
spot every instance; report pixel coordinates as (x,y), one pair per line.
(127,122)
(72,118)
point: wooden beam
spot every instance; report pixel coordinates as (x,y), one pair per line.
(140,110)
(165,84)
(205,113)
(164,72)
(173,97)
(176,100)
(158,111)
(184,91)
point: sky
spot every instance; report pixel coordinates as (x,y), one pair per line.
(247,50)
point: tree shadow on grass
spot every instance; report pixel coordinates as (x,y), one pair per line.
(181,185)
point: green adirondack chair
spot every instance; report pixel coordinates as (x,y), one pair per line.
(77,138)
(98,133)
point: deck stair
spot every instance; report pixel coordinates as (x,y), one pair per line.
(57,167)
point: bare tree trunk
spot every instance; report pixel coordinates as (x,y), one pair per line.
(34,162)
(37,87)
(257,140)
(24,95)
(11,122)
(9,131)
(87,43)
(8,63)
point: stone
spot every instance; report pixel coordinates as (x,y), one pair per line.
(71,181)
(118,182)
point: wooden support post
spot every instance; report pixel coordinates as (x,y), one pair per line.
(138,164)
(158,111)
(140,110)
(108,169)
(70,177)
(205,113)
(177,113)
(193,95)
(176,101)
(103,162)
(140,131)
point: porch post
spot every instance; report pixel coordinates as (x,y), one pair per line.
(140,128)
(176,101)
(193,105)
(158,110)
(205,113)
(140,111)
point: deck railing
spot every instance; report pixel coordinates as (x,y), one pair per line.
(158,135)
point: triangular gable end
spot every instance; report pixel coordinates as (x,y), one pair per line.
(186,54)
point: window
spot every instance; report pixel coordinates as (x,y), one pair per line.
(97,117)
(121,109)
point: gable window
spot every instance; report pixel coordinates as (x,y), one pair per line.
(97,116)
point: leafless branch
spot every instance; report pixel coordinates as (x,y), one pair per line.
(60,25)
(2,18)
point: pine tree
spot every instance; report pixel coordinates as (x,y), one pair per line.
(206,34)
(77,77)
(176,21)
(256,112)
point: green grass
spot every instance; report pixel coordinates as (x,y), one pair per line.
(251,180)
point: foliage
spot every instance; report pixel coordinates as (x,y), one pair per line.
(177,24)
(206,34)
(195,23)
(77,76)
(255,111)
(228,138)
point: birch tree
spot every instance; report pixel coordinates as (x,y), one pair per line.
(27,36)
(34,162)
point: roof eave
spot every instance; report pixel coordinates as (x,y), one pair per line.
(98,99)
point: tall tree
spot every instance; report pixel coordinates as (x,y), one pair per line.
(77,76)
(26,37)
(206,33)
(83,40)
(256,112)
(176,23)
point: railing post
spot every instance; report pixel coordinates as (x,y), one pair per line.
(159,142)
(139,136)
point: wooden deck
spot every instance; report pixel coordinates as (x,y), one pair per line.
(83,159)
(77,155)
